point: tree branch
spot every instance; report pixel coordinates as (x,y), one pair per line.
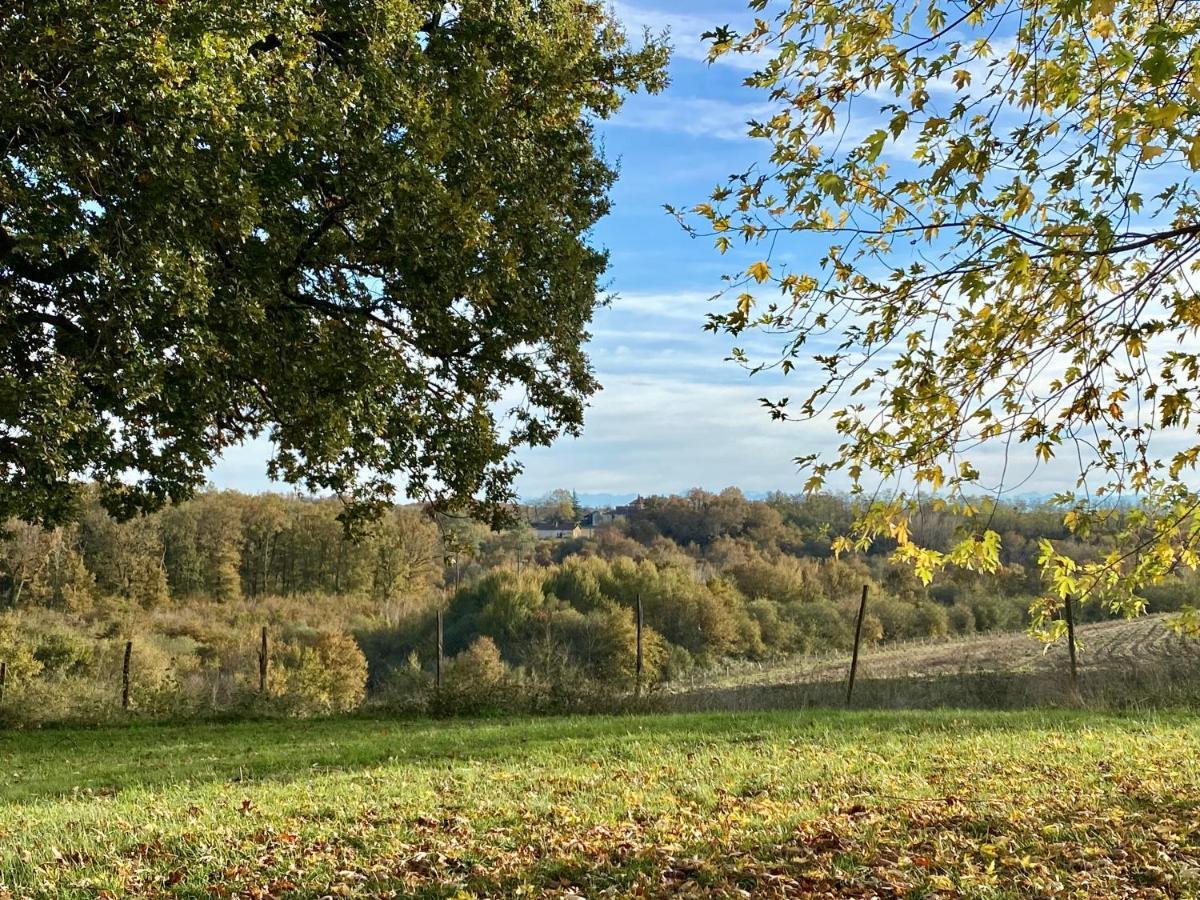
(78,262)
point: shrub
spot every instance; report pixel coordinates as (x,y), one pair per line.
(474,680)
(608,649)
(479,664)
(821,625)
(318,674)
(896,617)
(930,620)
(872,629)
(998,613)
(780,635)
(64,652)
(405,687)
(1172,594)
(962,619)
(153,688)
(678,663)
(577,584)
(17,652)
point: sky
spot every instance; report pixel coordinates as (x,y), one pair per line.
(673,414)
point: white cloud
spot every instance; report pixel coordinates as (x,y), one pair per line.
(694,116)
(685,32)
(687,305)
(665,433)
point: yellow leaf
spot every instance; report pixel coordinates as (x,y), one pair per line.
(759,271)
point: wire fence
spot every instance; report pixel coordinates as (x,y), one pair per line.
(133,678)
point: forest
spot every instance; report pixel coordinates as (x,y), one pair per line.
(538,623)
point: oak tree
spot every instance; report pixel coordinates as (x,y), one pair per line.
(357,227)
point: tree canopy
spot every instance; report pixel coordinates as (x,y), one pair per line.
(1001,232)
(358,228)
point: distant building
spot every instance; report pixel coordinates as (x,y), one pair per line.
(605,516)
(630,509)
(598,517)
(556,530)
(588,522)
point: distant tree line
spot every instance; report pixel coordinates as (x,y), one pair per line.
(220,546)
(719,576)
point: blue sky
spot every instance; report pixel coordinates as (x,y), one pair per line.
(672,414)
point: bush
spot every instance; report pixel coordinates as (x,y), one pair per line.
(896,617)
(153,688)
(821,625)
(474,680)
(17,652)
(678,664)
(607,647)
(998,613)
(1172,594)
(778,634)
(64,652)
(962,619)
(930,620)
(318,674)
(405,687)
(872,629)
(480,664)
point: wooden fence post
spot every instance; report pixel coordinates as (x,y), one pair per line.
(437,672)
(3,678)
(862,612)
(262,663)
(637,689)
(1071,644)
(125,675)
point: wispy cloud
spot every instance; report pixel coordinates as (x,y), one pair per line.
(688,305)
(669,432)
(685,32)
(694,116)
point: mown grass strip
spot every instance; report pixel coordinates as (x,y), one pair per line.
(781,804)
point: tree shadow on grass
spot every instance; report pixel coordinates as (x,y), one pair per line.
(57,762)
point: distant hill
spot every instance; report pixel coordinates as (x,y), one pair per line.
(601,500)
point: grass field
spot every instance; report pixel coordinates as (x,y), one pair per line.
(800,804)
(1128,664)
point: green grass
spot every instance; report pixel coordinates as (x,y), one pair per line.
(764,804)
